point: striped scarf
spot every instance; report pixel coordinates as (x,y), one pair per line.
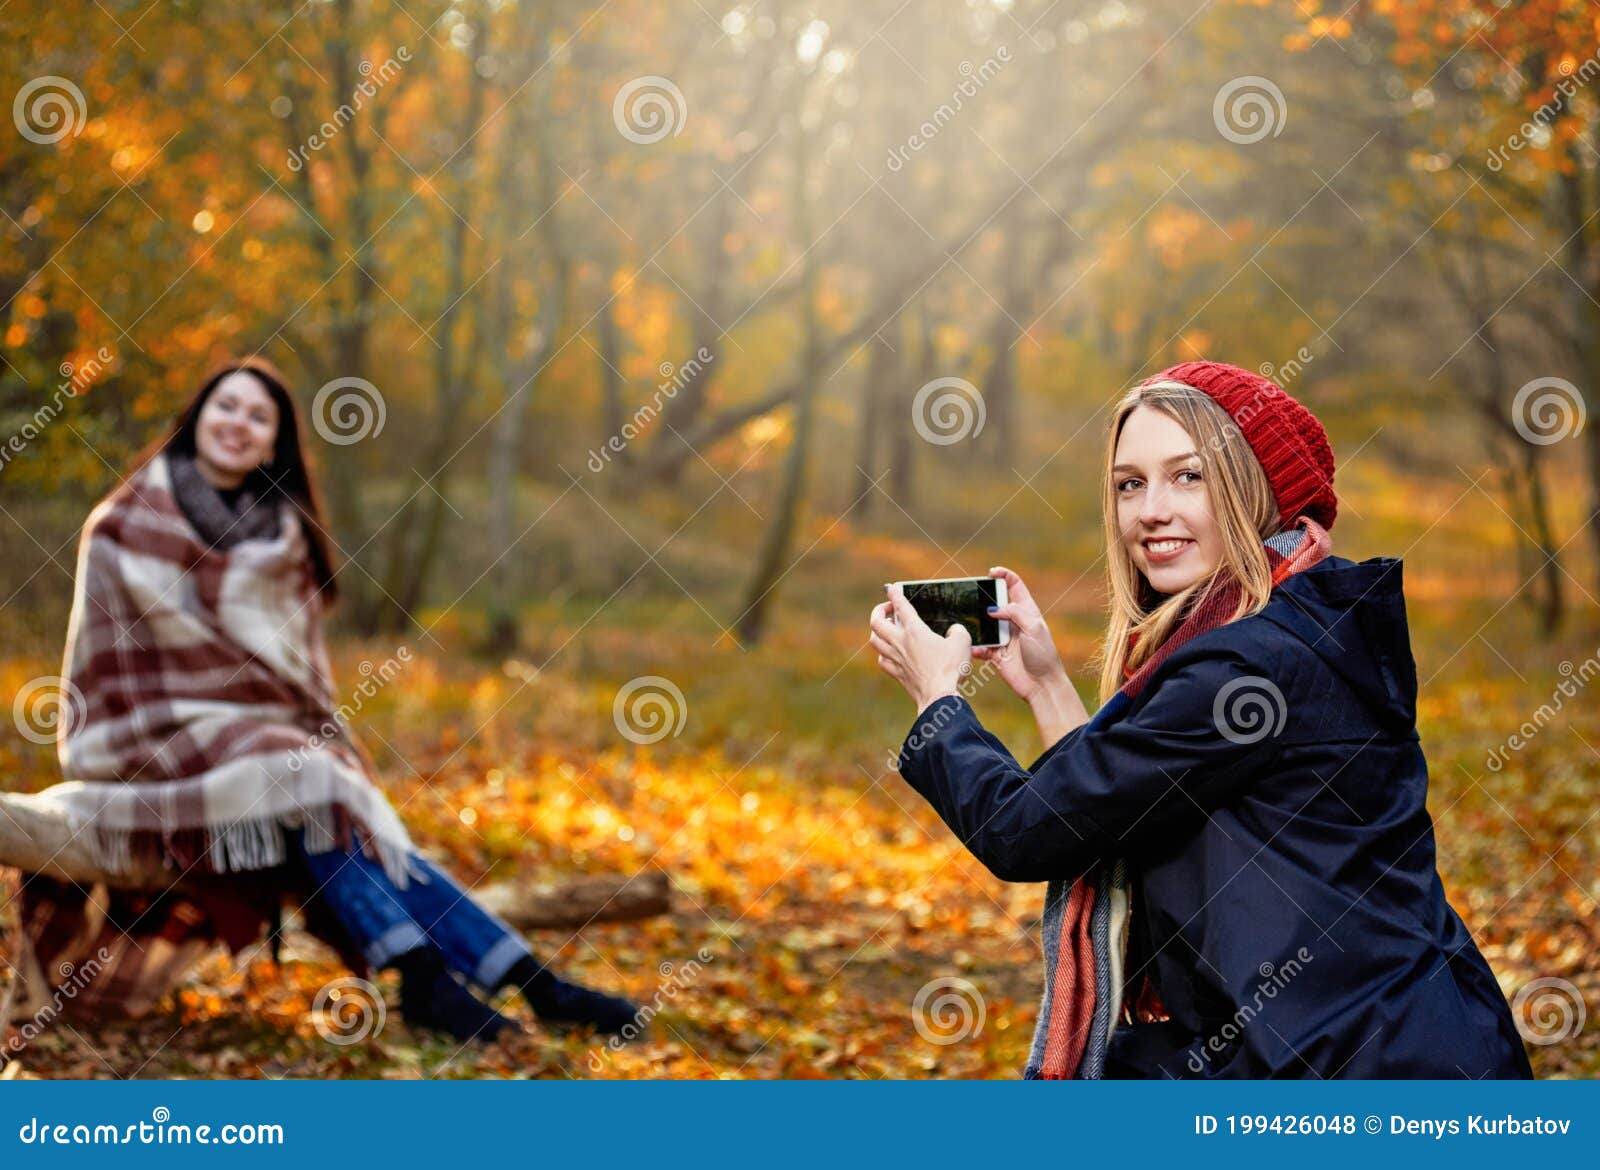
(1085,925)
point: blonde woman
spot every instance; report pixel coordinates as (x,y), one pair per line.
(1240,859)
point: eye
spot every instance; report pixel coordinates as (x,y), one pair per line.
(1190,471)
(1123,486)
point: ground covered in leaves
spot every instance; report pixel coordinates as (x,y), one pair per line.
(826,924)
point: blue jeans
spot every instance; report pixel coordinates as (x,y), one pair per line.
(386,921)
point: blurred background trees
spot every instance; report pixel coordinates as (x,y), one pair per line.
(489,237)
(642,341)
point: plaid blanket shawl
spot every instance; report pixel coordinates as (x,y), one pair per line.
(1085,925)
(198,724)
(200,714)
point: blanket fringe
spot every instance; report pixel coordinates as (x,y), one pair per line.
(245,845)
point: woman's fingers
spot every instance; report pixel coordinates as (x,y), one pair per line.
(1023,616)
(904,614)
(897,603)
(1015,589)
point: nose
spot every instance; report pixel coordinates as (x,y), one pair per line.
(1155,507)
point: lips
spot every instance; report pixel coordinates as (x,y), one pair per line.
(1165,549)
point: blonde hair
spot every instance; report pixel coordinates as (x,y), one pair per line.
(1245,511)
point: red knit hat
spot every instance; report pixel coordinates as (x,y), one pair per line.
(1287,439)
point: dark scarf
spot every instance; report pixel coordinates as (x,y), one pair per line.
(219,525)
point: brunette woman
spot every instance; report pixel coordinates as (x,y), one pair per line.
(202,743)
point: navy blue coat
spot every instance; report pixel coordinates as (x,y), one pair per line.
(1287,907)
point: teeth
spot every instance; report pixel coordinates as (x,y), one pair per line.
(1162,546)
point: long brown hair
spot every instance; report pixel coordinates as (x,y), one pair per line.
(288,478)
(1246,514)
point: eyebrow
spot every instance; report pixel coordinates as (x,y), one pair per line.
(1164,463)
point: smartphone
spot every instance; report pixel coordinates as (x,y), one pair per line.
(950,601)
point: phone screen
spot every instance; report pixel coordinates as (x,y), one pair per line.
(966,601)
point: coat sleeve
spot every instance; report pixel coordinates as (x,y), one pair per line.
(1132,776)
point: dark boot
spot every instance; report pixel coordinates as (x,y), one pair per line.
(555,1001)
(430,997)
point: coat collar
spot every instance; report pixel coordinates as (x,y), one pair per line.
(1353,615)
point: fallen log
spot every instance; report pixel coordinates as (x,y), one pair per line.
(35,837)
(578,901)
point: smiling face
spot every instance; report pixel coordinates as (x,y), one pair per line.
(236,430)
(1164,510)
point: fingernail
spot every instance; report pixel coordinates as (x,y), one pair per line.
(994,609)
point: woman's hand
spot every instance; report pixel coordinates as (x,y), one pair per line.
(1029,662)
(929,665)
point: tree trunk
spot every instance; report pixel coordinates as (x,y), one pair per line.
(412,547)
(874,392)
(1578,263)
(356,329)
(1552,605)
(519,379)
(902,428)
(613,386)
(1005,329)
(771,561)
